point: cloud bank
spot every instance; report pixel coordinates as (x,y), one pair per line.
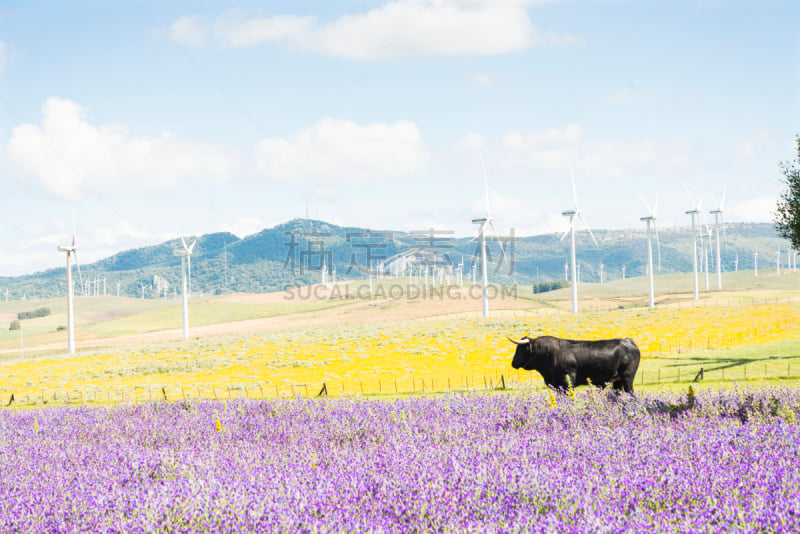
(69,156)
(396,29)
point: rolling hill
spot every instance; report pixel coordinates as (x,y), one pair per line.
(291,254)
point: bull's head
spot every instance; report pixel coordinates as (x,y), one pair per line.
(523,357)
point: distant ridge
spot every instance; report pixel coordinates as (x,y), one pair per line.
(263,261)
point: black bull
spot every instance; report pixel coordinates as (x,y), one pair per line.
(567,362)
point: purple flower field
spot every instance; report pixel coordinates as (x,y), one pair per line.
(724,461)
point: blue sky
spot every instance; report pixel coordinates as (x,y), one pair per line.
(149,117)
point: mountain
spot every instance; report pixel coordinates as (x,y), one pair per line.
(292,253)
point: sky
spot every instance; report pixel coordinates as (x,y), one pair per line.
(137,121)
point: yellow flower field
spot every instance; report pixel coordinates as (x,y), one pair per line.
(422,355)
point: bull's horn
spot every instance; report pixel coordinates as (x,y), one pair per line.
(520,342)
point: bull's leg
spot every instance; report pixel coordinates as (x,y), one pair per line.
(627,382)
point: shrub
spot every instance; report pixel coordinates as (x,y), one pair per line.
(544,287)
(39,312)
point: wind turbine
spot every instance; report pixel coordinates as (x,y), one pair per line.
(71,250)
(574,214)
(482,222)
(185,255)
(651,221)
(694,212)
(705,244)
(717,213)
(755,262)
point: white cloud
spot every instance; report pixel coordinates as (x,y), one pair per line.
(628,96)
(482,79)
(245,226)
(519,213)
(747,151)
(472,142)
(399,28)
(757,209)
(68,156)
(123,231)
(342,151)
(189,31)
(549,151)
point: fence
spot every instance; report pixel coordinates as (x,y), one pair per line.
(408,386)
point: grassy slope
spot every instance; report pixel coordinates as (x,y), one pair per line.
(203,313)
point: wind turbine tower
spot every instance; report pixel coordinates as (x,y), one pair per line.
(755,263)
(574,214)
(717,213)
(70,251)
(651,222)
(694,212)
(185,254)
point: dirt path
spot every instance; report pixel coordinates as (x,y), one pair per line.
(456,302)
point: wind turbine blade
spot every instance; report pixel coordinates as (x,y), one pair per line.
(500,243)
(571,224)
(589,229)
(694,204)
(486,189)
(574,190)
(722,201)
(182,239)
(724,231)
(192,246)
(73,226)
(78,265)
(655,208)
(649,211)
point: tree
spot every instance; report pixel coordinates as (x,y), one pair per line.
(787,214)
